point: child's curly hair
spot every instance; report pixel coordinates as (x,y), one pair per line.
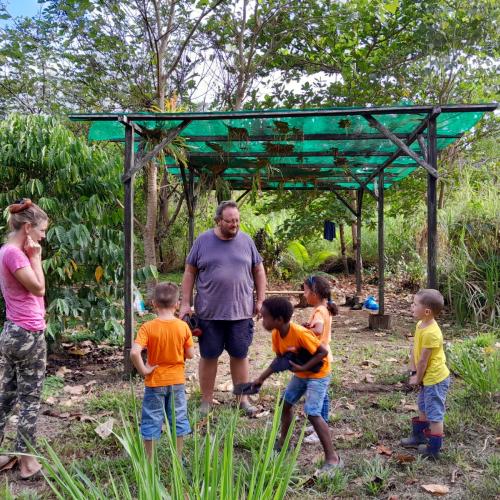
(321,287)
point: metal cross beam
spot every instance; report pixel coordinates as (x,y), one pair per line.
(400,144)
(411,139)
(150,155)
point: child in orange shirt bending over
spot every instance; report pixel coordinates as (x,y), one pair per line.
(290,337)
(169,342)
(317,293)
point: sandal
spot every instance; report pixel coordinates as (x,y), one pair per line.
(330,468)
(249,410)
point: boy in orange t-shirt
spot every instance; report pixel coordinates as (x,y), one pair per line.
(290,337)
(169,343)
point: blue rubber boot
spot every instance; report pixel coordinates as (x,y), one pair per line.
(432,448)
(418,437)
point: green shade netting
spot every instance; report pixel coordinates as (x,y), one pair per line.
(297,152)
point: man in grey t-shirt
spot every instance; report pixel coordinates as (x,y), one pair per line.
(226,266)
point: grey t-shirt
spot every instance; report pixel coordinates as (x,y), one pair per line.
(224,282)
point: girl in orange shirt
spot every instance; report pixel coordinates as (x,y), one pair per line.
(317,292)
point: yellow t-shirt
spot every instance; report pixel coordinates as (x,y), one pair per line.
(300,337)
(431,337)
(166,341)
(322,314)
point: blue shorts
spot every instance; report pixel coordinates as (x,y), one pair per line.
(158,402)
(314,389)
(431,400)
(233,336)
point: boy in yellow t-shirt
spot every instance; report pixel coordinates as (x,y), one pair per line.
(429,371)
(290,337)
(169,342)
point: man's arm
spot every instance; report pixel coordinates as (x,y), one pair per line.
(189,353)
(187,287)
(318,356)
(421,366)
(259,278)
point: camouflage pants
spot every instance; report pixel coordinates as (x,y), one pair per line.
(22,371)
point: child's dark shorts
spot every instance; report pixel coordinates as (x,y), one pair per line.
(233,336)
(432,399)
(158,402)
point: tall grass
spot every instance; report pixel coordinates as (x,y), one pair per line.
(470,266)
(477,362)
(215,471)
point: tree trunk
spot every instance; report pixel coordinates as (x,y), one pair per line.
(343,249)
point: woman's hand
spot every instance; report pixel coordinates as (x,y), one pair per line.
(32,249)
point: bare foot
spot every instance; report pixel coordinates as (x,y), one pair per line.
(28,466)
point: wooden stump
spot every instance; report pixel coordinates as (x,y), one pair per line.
(379,321)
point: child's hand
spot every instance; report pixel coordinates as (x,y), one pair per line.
(257,382)
(295,367)
(413,380)
(148,369)
(306,324)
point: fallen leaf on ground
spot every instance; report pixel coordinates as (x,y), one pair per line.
(380,334)
(9,465)
(369,378)
(91,382)
(384,450)
(404,458)
(368,362)
(436,489)
(391,360)
(410,481)
(62,371)
(106,428)
(349,406)
(393,497)
(51,400)
(74,390)
(225,386)
(78,352)
(262,414)
(410,407)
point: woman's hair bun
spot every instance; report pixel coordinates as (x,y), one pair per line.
(20,205)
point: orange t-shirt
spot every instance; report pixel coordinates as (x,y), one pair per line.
(322,314)
(166,341)
(300,337)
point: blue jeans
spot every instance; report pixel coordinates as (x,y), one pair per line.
(157,403)
(432,398)
(326,407)
(314,390)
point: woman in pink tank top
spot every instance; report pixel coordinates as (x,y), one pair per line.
(22,341)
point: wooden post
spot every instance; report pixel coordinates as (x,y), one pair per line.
(359,204)
(128,229)
(380,321)
(432,207)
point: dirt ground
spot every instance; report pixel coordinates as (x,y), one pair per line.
(370,410)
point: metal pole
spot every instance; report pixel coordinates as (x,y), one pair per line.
(381,249)
(359,194)
(128,230)
(432,207)
(192,205)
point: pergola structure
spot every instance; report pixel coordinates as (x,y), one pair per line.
(365,150)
